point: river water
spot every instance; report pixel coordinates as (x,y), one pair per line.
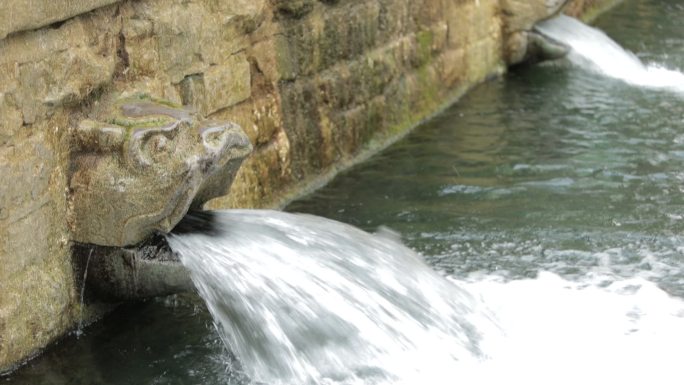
(553,167)
(554,194)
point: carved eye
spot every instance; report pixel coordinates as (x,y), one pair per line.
(157,143)
(156,146)
(213,136)
(147,144)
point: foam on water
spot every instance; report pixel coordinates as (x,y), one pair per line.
(306,300)
(593,49)
(599,330)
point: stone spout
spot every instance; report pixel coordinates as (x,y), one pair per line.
(136,167)
(523,44)
(542,48)
(114,274)
(140,164)
(148,269)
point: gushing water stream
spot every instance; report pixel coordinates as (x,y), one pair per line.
(593,49)
(306,300)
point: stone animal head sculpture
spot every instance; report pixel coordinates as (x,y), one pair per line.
(141,164)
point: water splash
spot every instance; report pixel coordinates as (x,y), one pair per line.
(306,300)
(594,50)
(597,330)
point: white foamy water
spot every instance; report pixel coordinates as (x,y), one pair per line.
(593,49)
(306,300)
(597,331)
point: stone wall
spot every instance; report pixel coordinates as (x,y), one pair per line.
(588,10)
(315,84)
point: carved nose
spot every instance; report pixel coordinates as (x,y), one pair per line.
(225,146)
(221,137)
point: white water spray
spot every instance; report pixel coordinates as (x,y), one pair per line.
(305,300)
(594,50)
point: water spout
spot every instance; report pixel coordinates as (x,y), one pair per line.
(592,49)
(121,274)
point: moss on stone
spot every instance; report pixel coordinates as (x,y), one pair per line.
(425,40)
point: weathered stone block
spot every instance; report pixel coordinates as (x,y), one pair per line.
(20,15)
(587,10)
(30,165)
(285,58)
(62,66)
(393,20)
(518,17)
(219,87)
(301,46)
(452,66)
(266,116)
(347,32)
(10,119)
(185,37)
(140,46)
(521,15)
(259,117)
(301,116)
(247,15)
(483,59)
(36,306)
(27,239)
(293,8)
(333,88)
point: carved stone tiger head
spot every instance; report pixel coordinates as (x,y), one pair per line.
(139,166)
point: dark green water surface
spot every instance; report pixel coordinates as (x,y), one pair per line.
(550,168)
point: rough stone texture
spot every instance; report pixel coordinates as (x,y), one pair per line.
(519,17)
(141,163)
(314,84)
(588,9)
(219,87)
(20,15)
(123,274)
(37,293)
(48,70)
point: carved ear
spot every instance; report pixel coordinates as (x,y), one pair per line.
(138,153)
(91,136)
